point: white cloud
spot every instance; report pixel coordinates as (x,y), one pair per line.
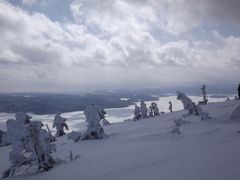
(181,16)
(114,39)
(7,56)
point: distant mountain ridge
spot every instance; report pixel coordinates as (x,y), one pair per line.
(53,103)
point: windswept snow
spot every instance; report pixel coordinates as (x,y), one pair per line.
(148,149)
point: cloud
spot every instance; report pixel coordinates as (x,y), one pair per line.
(181,16)
(173,16)
(121,41)
(7,56)
(29,2)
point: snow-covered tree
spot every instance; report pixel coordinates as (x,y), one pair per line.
(17,133)
(204,92)
(40,145)
(137,113)
(143,109)
(170,106)
(155,109)
(95,116)
(151,111)
(103,121)
(23,118)
(94,130)
(30,145)
(187,103)
(227,99)
(102,113)
(59,123)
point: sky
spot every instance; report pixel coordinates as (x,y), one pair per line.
(82,45)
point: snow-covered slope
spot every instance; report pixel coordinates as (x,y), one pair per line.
(147,149)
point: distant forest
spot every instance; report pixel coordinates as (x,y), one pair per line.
(53,103)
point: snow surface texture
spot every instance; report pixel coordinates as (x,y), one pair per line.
(149,149)
(236,113)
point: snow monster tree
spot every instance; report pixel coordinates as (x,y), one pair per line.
(137,113)
(155,109)
(60,123)
(31,146)
(170,106)
(103,113)
(143,109)
(94,130)
(187,103)
(204,93)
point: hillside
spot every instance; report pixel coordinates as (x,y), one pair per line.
(147,149)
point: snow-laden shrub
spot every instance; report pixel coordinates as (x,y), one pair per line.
(104,122)
(204,93)
(31,146)
(187,103)
(59,123)
(155,109)
(170,106)
(151,111)
(143,109)
(137,113)
(93,114)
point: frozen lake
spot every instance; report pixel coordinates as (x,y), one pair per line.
(76,119)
